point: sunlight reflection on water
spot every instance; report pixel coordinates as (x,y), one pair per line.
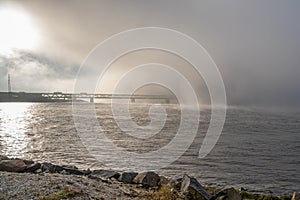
(14,121)
(258,150)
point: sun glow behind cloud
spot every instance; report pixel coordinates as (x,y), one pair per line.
(17,30)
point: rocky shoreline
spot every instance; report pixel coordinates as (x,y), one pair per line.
(26,179)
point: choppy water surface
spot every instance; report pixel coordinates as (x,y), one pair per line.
(257,150)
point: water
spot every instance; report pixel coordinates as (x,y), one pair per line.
(257,150)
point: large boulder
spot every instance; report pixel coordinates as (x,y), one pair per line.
(296,196)
(12,165)
(147,179)
(27,162)
(48,167)
(127,177)
(76,171)
(106,174)
(32,167)
(193,189)
(228,194)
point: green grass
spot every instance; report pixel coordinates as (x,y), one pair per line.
(65,193)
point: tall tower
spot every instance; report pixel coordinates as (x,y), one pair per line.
(8,84)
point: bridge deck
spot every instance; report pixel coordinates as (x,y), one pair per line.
(59,96)
(104,96)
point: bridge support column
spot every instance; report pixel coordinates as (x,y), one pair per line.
(132,100)
(92,100)
(167,101)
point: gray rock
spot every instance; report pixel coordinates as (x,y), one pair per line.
(106,174)
(147,179)
(27,162)
(75,171)
(48,167)
(228,194)
(12,165)
(193,189)
(32,167)
(163,180)
(127,177)
(70,166)
(296,196)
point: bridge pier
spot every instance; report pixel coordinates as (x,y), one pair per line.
(132,100)
(92,100)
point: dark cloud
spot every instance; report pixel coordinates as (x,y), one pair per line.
(30,71)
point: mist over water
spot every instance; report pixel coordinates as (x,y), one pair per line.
(258,150)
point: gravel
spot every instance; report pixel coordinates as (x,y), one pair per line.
(54,186)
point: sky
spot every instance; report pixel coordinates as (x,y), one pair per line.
(255,44)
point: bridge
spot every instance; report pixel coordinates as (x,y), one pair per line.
(67,97)
(91,96)
(10,96)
